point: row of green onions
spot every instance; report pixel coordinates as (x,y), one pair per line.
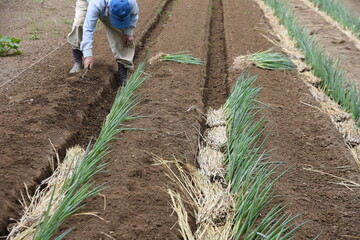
(81,185)
(334,79)
(249,169)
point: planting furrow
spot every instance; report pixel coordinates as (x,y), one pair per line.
(137,207)
(338,44)
(216,90)
(45,103)
(301,136)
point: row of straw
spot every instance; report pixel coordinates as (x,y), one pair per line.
(63,194)
(333,78)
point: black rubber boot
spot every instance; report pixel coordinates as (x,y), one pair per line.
(77,67)
(122,75)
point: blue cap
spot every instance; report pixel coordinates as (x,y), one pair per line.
(120,13)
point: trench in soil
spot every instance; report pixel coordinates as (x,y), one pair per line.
(96,113)
(216,87)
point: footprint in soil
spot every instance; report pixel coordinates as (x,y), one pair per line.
(136,173)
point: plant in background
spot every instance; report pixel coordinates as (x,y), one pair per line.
(9,46)
(67,21)
(269,60)
(334,79)
(340,13)
(35,30)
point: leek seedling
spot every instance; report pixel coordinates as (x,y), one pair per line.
(181,57)
(270,60)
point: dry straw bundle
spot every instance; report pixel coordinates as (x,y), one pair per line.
(52,194)
(204,188)
(211,203)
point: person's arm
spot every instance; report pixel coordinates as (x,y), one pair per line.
(134,14)
(92,15)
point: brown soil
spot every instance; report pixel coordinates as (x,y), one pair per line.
(45,103)
(21,18)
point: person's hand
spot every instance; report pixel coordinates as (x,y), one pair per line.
(128,40)
(88,62)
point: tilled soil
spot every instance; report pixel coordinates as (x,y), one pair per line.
(47,103)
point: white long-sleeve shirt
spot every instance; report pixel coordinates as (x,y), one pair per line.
(99,9)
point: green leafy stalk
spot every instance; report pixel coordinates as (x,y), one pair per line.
(9,46)
(80,185)
(182,57)
(248,172)
(270,60)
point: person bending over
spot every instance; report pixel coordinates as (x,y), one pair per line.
(119,18)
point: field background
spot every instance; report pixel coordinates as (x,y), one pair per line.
(40,101)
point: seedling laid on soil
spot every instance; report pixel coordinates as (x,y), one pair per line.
(270,60)
(182,57)
(9,46)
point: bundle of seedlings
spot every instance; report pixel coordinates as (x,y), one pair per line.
(265,60)
(333,77)
(73,181)
(181,57)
